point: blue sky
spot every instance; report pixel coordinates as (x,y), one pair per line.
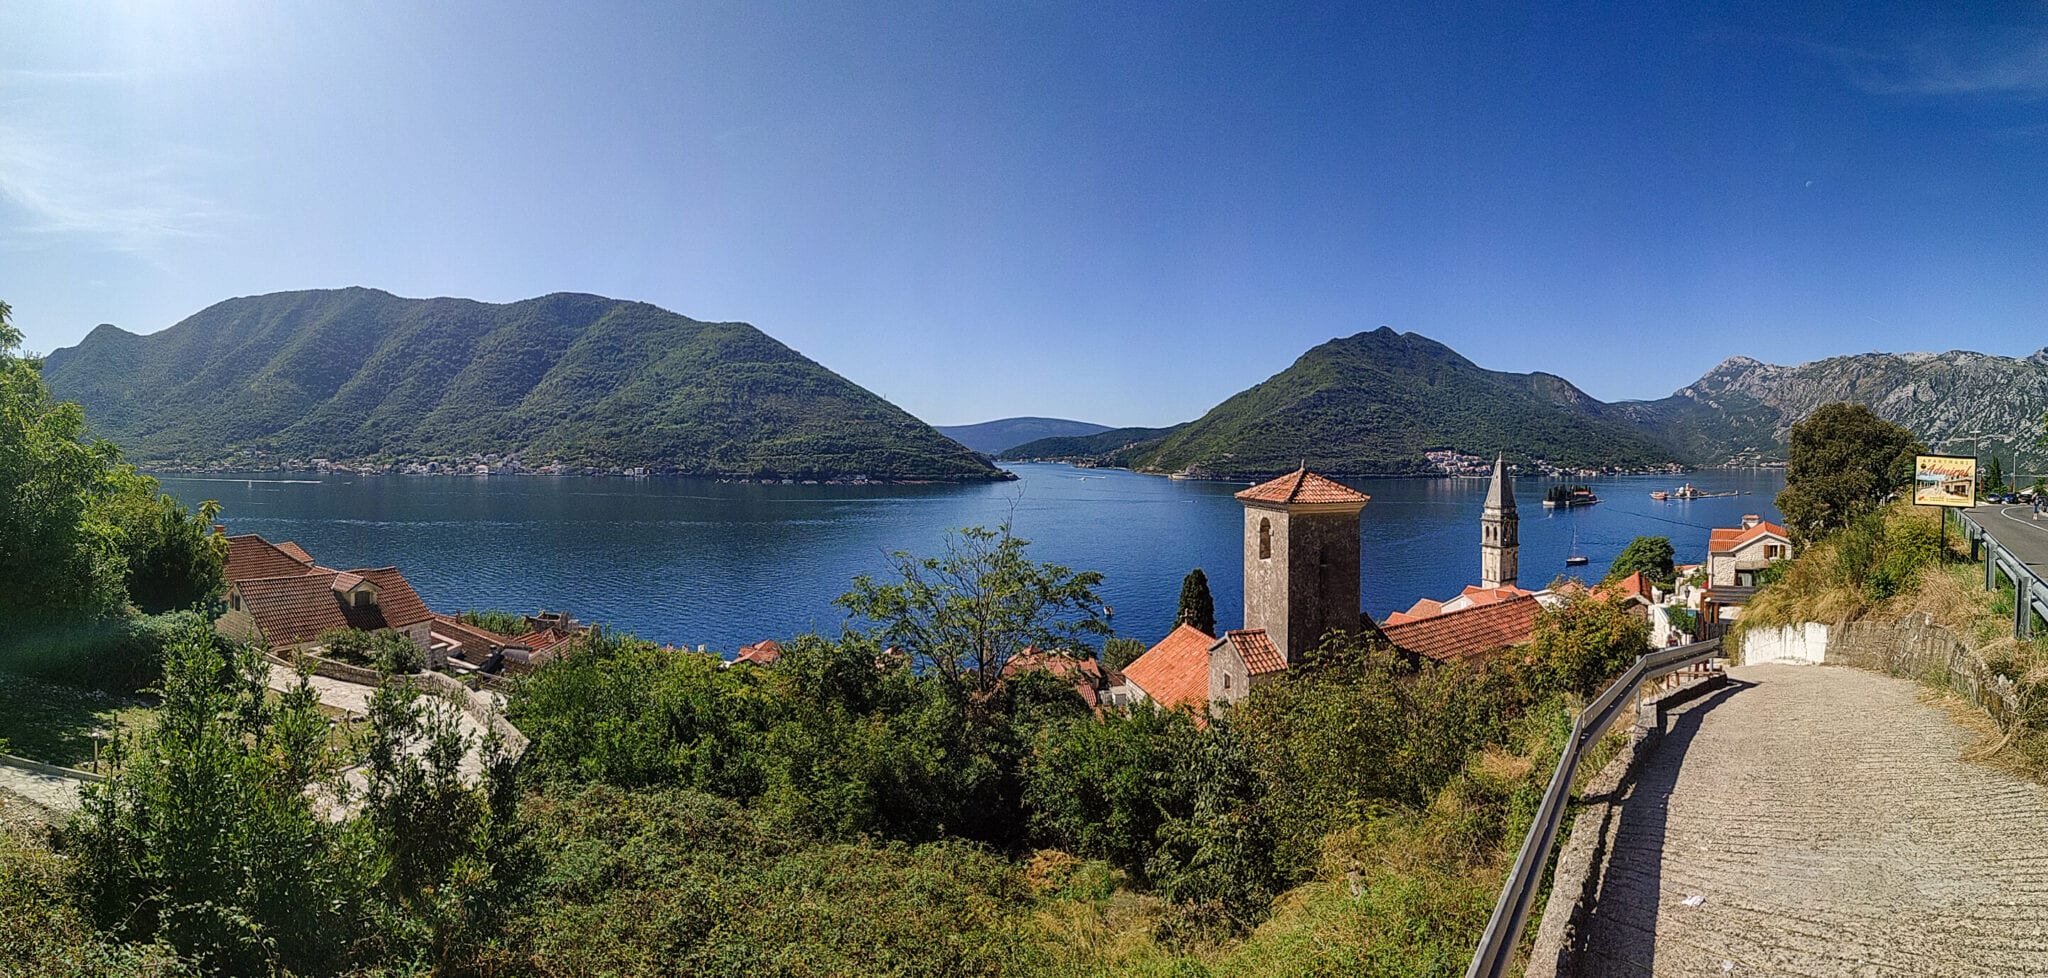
(1116,212)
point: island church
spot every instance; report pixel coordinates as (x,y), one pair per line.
(1301,583)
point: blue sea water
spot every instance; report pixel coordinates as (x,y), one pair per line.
(695,562)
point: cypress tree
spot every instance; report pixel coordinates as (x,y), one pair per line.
(1197,608)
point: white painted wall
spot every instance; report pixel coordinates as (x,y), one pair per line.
(1791,643)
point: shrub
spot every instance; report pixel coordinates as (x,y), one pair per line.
(115,654)
(383,650)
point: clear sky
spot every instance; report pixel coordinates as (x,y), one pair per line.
(1116,212)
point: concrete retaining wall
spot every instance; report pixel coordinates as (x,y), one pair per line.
(1791,643)
(53,770)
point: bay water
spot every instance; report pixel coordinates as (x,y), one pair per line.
(698,562)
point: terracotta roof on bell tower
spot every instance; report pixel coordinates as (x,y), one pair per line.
(1303,486)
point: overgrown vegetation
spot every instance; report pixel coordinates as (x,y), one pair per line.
(504,623)
(1651,555)
(383,649)
(88,546)
(847,811)
(1844,461)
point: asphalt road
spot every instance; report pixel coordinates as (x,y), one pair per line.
(1821,822)
(2015,529)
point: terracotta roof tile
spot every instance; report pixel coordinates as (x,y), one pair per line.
(400,604)
(762,653)
(1260,655)
(1085,674)
(1726,539)
(1176,671)
(251,557)
(1470,632)
(345,582)
(1636,585)
(1303,486)
(476,643)
(296,552)
(292,610)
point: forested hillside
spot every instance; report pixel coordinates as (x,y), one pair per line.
(578,379)
(1374,403)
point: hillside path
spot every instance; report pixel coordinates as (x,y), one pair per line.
(1820,821)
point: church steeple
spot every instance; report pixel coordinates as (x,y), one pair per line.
(1500,545)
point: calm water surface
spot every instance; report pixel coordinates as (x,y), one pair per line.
(694,562)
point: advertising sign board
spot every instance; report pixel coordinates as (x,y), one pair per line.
(1944,480)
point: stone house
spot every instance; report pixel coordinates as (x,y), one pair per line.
(1735,554)
(280,599)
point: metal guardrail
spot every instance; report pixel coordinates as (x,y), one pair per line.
(2030,592)
(1511,912)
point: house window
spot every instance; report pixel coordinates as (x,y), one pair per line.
(1226,680)
(235,601)
(365,599)
(1265,538)
(1773,551)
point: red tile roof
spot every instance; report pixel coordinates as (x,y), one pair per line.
(1636,585)
(294,609)
(1176,671)
(296,552)
(1303,486)
(1260,655)
(762,653)
(1085,674)
(1473,596)
(1468,633)
(476,643)
(400,604)
(1728,539)
(346,581)
(251,557)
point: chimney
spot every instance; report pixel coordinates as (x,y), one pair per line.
(1750,519)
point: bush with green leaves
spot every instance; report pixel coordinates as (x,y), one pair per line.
(384,650)
(1651,555)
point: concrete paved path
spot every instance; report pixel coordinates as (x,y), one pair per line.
(1819,821)
(58,794)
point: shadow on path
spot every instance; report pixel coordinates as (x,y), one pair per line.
(1620,931)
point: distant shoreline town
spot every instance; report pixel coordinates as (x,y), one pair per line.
(493,464)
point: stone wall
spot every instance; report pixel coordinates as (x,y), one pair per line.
(1914,647)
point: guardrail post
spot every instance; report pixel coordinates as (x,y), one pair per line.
(2022,608)
(1990,565)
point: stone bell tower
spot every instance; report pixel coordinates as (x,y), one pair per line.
(1500,545)
(1301,559)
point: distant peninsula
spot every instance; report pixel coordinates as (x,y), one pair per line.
(363,379)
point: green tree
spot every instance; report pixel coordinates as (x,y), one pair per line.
(81,534)
(1993,475)
(206,835)
(1197,608)
(1844,461)
(1582,643)
(966,612)
(60,558)
(1120,652)
(1651,554)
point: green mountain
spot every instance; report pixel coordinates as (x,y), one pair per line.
(1086,448)
(992,437)
(583,380)
(1958,402)
(1375,403)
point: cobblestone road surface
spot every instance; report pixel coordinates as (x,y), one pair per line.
(1820,821)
